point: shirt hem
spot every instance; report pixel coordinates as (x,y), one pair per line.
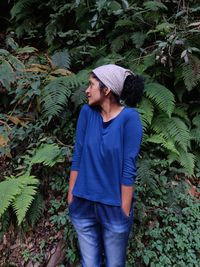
(118,204)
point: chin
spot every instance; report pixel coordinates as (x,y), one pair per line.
(90,103)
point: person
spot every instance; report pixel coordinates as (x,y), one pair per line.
(103,169)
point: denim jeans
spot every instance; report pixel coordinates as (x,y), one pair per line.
(102,230)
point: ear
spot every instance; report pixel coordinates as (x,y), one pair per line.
(107,90)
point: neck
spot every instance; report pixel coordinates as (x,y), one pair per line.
(110,110)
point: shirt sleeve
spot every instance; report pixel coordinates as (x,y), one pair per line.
(79,138)
(132,143)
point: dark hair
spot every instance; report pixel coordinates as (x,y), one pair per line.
(133,90)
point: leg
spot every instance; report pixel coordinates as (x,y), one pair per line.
(88,231)
(115,231)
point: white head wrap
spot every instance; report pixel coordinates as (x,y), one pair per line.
(112,76)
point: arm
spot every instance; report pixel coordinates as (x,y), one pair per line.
(126,195)
(72,180)
(80,136)
(132,142)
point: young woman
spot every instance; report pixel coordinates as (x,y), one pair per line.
(108,138)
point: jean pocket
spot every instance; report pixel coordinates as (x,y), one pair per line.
(128,217)
(72,202)
(124,214)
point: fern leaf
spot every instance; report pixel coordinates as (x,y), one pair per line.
(145,173)
(167,144)
(36,209)
(61,59)
(172,128)
(8,191)
(148,108)
(23,201)
(19,8)
(187,160)
(154,5)
(191,72)
(48,154)
(161,96)
(182,113)
(54,97)
(143,118)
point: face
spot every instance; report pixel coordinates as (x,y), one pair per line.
(93,92)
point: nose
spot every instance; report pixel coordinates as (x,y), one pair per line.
(87,90)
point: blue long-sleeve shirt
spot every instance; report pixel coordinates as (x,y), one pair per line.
(105,154)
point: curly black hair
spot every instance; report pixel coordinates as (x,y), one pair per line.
(133,90)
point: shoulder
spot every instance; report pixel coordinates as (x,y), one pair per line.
(87,111)
(131,114)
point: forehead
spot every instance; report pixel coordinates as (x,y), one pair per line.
(92,79)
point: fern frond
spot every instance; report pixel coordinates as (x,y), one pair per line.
(143,118)
(191,72)
(145,173)
(182,113)
(159,139)
(18,192)
(8,191)
(187,160)
(48,154)
(172,128)
(56,93)
(154,5)
(195,131)
(23,201)
(161,96)
(54,97)
(36,209)
(18,11)
(196,120)
(147,106)
(61,59)
(195,135)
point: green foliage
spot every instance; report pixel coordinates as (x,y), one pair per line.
(157,39)
(36,209)
(191,73)
(18,192)
(161,96)
(167,219)
(56,93)
(9,65)
(61,59)
(48,154)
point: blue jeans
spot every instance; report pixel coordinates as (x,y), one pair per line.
(102,230)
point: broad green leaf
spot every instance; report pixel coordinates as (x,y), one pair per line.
(7,75)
